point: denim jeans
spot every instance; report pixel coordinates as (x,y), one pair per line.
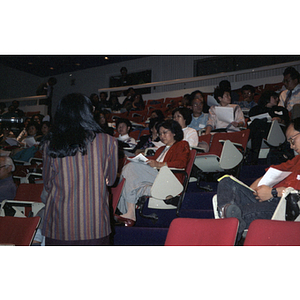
(229,191)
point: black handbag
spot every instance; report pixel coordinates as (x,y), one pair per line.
(292,208)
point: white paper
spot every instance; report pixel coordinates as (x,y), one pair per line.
(261,116)
(139,158)
(225,113)
(273,176)
(212,101)
(12,141)
(30,141)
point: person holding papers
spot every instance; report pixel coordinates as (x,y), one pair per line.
(140,176)
(261,199)
(225,116)
(265,111)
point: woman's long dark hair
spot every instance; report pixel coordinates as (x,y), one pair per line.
(73,126)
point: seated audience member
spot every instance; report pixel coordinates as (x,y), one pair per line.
(138,103)
(18,111)
(123,128)
(224,99)
(114,103)
(185,102)
(5,133)
(38,118)
(157,113)
(225,84)
(23,132)
(146,141)
(101,120)
(127,103)
(235,200)
(183,116)
(291,95)
(259,128)
(104,103)
(199,118)
(84,162)
(2,108)
(45,129)
(95,101)
(248,92)
(11,113)
(8,188)
(140,177)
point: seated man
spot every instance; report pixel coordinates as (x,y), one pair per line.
(199,118)
(7,186)
(235,200)
(248,102)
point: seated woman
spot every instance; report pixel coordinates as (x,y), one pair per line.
(101,120)
(138,103)
(223,97)
(183,116)
(147,141)
(140,177)
(259,128)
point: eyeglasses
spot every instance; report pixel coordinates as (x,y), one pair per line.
(291,140)
(163,132)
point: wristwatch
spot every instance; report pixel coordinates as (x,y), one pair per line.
(274,194)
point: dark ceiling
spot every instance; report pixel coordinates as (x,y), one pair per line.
(51,65)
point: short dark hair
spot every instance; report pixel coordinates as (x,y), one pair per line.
(123,120)
(248,87)
(266,97)
(159,113)
(154,121)
(194,93)
(219,92)
(52,80)
(293,73)
(225,84)
(105,93)
(174,127)
(123,69)
(296,123)
(185,112)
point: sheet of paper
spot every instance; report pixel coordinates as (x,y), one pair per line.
(261,116)
(225,114)
(12,141)
(212,101)
(273,176)
(139,158)
(30,141)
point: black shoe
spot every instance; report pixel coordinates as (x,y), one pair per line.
(233,211)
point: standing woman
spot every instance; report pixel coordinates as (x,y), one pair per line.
(79,161)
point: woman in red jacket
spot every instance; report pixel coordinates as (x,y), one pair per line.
(140,177)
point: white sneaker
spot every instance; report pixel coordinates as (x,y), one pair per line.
(215,206)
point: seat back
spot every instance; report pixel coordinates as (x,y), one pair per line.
(276,136)
(18,231)
(202,232)
(29,192)
(273,233)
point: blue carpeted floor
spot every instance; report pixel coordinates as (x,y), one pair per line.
(196,204)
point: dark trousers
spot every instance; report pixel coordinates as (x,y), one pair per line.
(229,191)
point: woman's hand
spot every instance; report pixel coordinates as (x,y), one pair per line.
(155,164)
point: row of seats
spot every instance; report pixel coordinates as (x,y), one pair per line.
(222,232)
